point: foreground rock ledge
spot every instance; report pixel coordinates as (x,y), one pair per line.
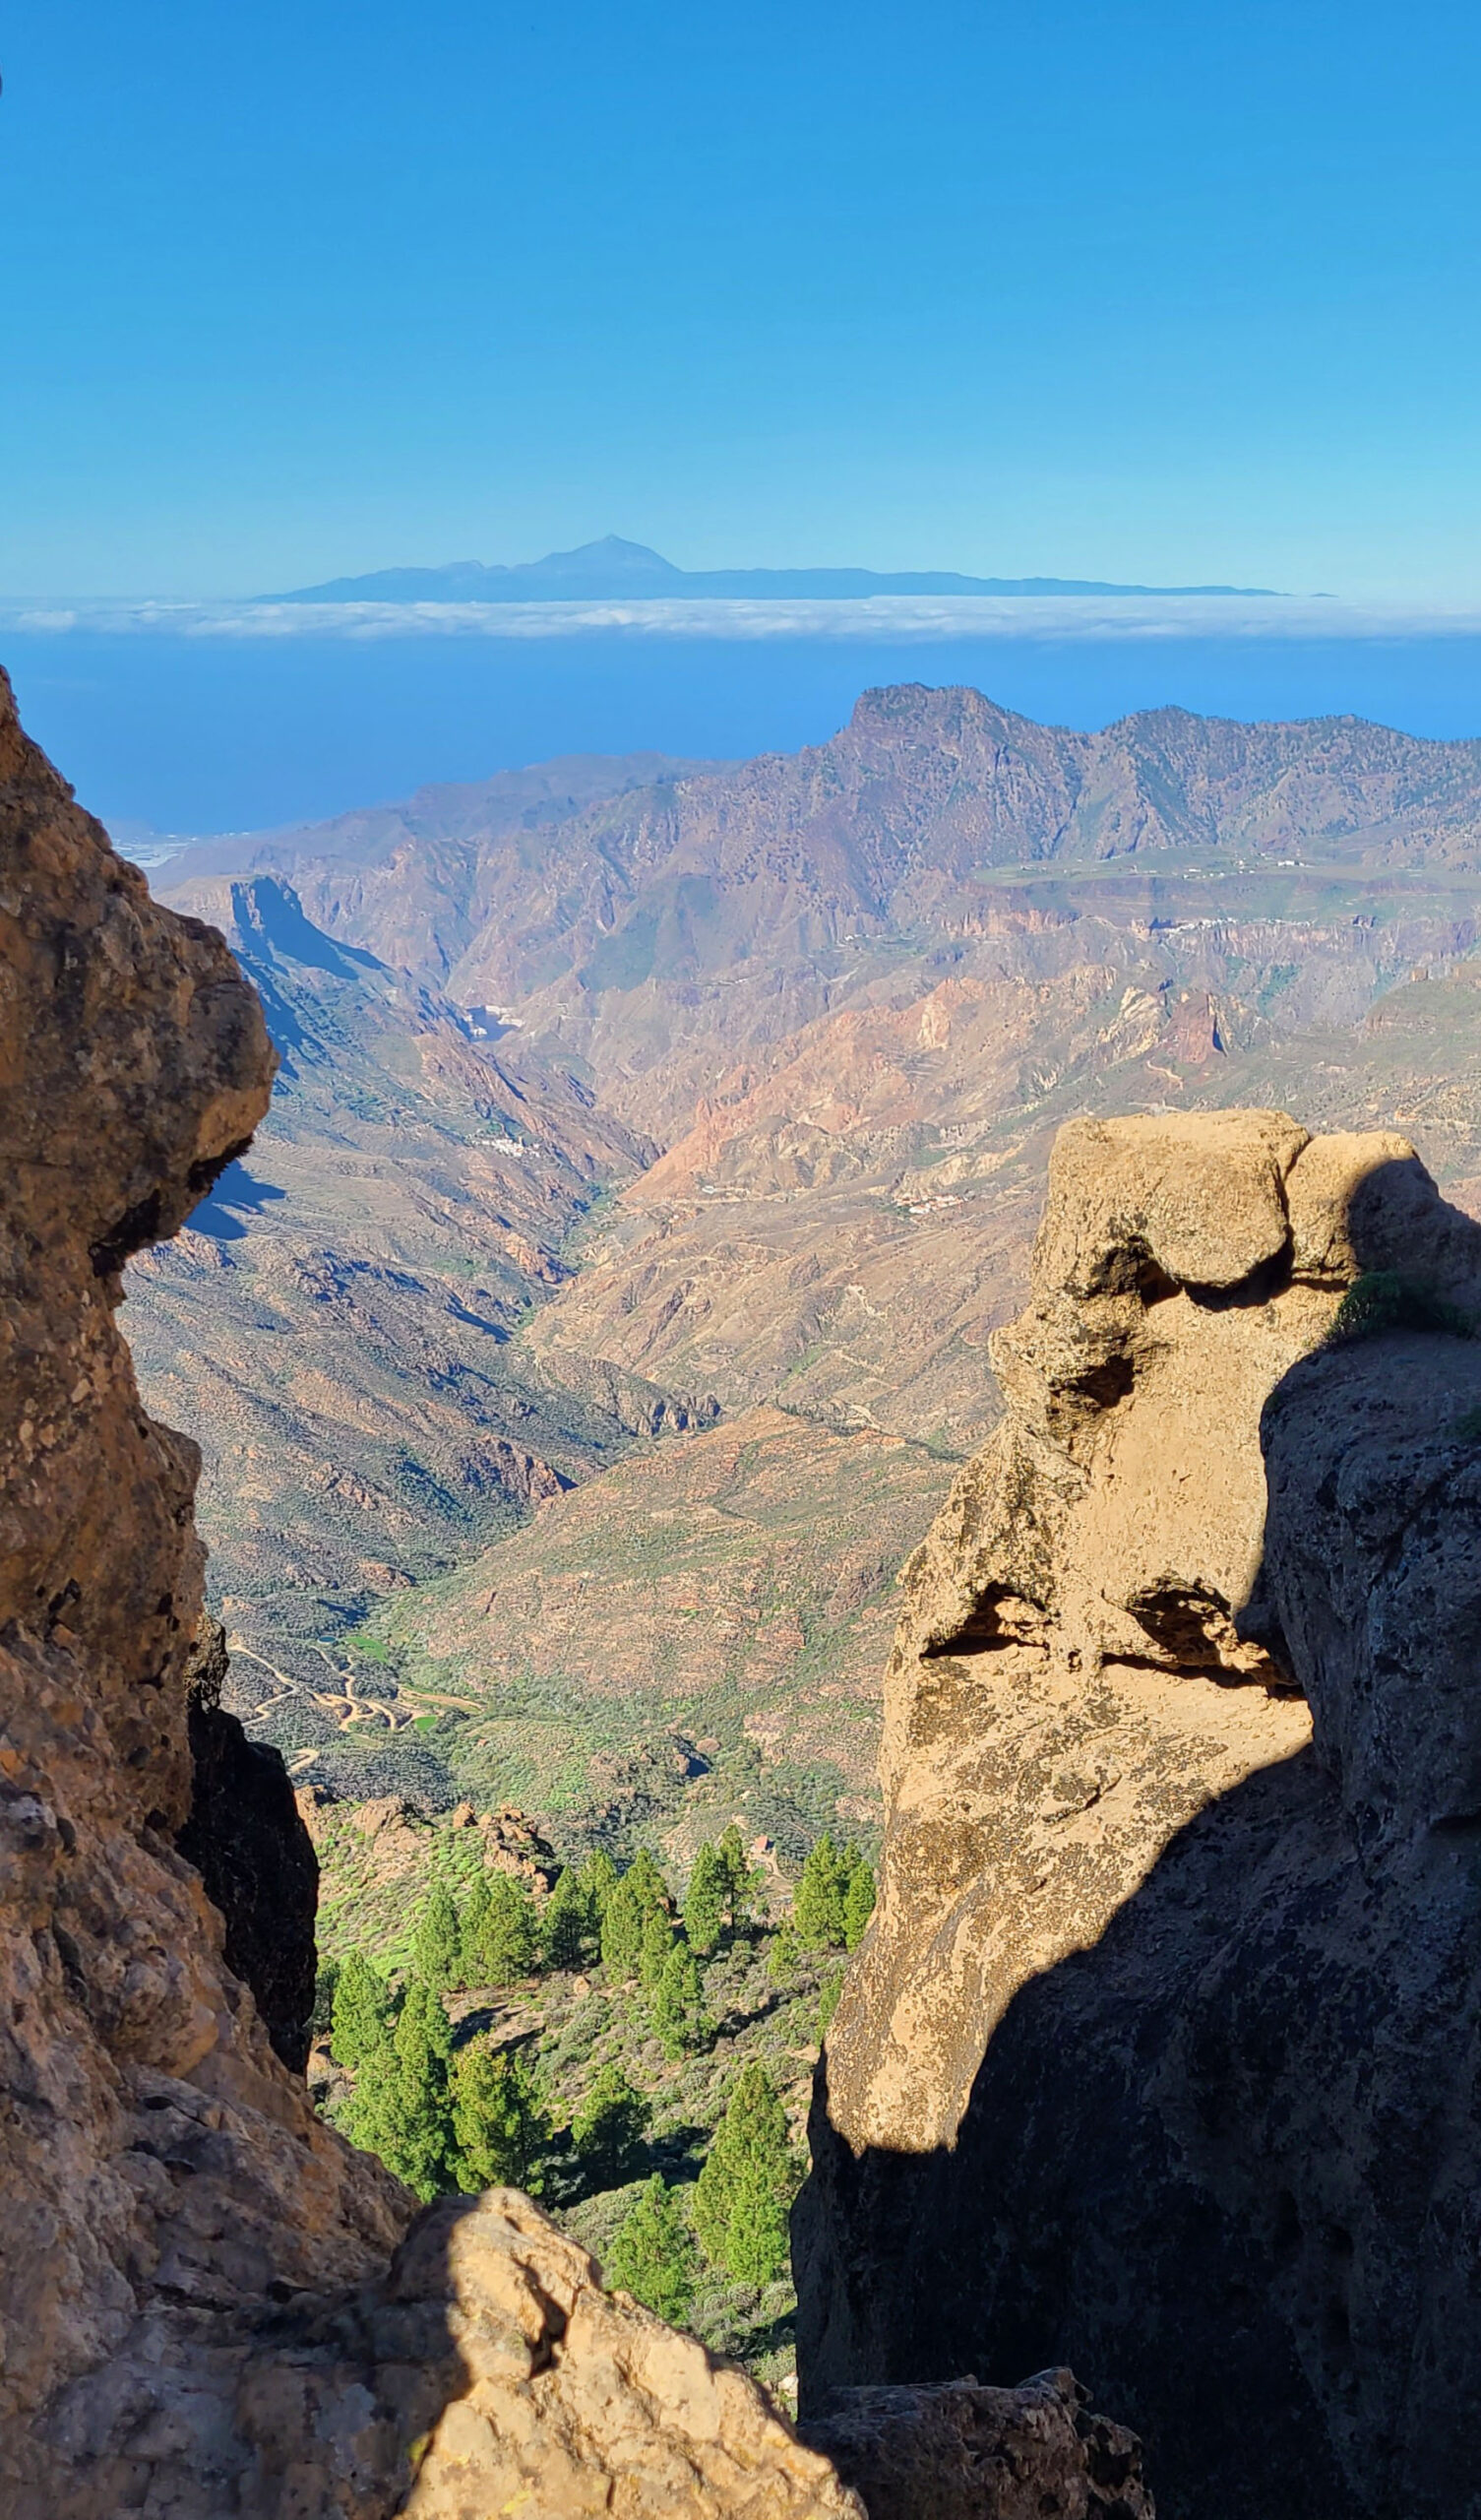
(1161,2050)
(209,2306)
(962,2452)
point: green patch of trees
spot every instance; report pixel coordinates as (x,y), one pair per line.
(677,2009)
(499,1932)
(500,2121)
(447,2111)
(722,1891)
(609,2126)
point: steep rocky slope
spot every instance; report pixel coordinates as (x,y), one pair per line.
(1161,2048)
(408,868)
(923,788)
(663,933)
(211,2306)
(335,1325)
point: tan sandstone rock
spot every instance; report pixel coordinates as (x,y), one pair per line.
(1161,2052)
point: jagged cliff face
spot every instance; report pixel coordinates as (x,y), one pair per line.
(158,2169)
(204,2307)
(1161,2053)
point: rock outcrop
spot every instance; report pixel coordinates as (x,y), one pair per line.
(1162,2053)
(209,2306)
(962,2452)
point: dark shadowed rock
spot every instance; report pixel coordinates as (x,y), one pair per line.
(962,2452)
(250,1845)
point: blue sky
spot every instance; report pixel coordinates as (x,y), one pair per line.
(1159,291)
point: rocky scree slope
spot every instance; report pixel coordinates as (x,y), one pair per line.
(211,2306)
(1164,2043)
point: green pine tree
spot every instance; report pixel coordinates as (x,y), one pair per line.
(501,2125)
(472,1923)
(608,2127)
(598,1879)
(511,1935)
(653,2252)
(858,1902)
(747,2184)
(435,1945)
(648,1884)
(425,2144)
(372,2114)
(707,1900)
(758,2239)
(326,1980)
(622,1930)
(819,1904)
(678,2003)
(655,1949)
(401,2105)
(742,1879)
(361,2011)
(570,1936)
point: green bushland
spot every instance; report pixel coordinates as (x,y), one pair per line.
(640,2063)
(1385,1300)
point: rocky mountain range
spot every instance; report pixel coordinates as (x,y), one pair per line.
(625,1096)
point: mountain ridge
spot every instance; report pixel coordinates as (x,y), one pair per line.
(613,567)
(805,1023)
(688,923)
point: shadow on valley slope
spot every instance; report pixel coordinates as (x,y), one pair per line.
(1224,2157)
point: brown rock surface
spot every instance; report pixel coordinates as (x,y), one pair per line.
(962,2452)
(1161,2051)
(199,2316)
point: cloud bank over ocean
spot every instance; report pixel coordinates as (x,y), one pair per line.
(905,619)
(195,718)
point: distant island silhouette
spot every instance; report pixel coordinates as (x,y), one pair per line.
(596,571)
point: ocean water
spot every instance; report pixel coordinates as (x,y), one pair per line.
(209,734)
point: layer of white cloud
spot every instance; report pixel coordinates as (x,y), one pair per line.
(875,618)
